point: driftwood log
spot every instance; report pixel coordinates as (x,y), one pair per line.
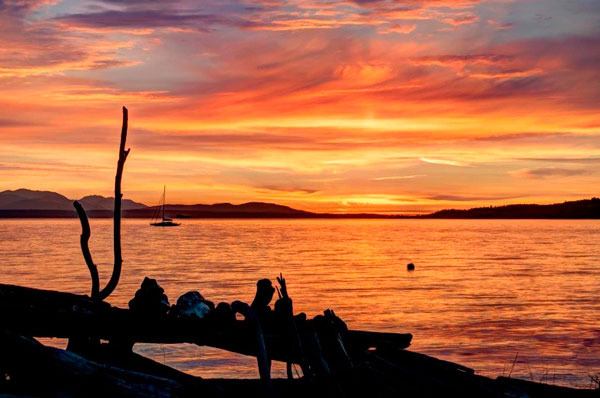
(382,367)
(45,313)
(53,372)
(31,369)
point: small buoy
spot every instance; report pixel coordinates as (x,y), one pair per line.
(410,267)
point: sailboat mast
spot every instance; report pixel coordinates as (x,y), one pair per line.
(160,213)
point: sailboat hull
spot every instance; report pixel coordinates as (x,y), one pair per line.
(165,224)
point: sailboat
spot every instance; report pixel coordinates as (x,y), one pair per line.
(164,221)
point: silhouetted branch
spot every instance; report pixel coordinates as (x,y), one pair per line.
(285,305)
(262,356)
(116,274)
(84,242)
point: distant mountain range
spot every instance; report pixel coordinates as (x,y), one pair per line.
(579,209)
(25,203)
(25,199)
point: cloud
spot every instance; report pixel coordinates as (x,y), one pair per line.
(219,138)
(500,25)
(34,47)
(11,167)
(152,19)
(549,172)
(391,178)
(551,69)
(461,60)
(398,28)
(520,136)
(268,15)
(15,123)
(22,6)
(464,19)
(445,162)
(564,160)
(474,198)
(256,139)
(289,189)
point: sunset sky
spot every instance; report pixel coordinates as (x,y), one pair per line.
(332,105)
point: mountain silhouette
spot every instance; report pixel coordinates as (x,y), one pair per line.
(26,203)
(97,202)
(228,208)
(26,199)
(579,209)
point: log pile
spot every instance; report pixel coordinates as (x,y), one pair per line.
(99,361)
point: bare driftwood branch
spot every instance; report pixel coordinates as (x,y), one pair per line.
(295,340)
(262,355)
(98,294)
(116,274)
(85,249)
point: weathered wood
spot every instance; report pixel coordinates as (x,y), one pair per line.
(45,313)
(106,354)
(36,370)
(285,307)
(262,353)
(30,369)
(386,371)
(85,249)
(118,258)
(364,340)
(48,371)
(98,294)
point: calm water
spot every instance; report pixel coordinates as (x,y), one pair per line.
(482,292)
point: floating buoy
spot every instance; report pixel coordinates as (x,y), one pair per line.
(410,267)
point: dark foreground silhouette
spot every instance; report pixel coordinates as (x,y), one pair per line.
(324,357)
